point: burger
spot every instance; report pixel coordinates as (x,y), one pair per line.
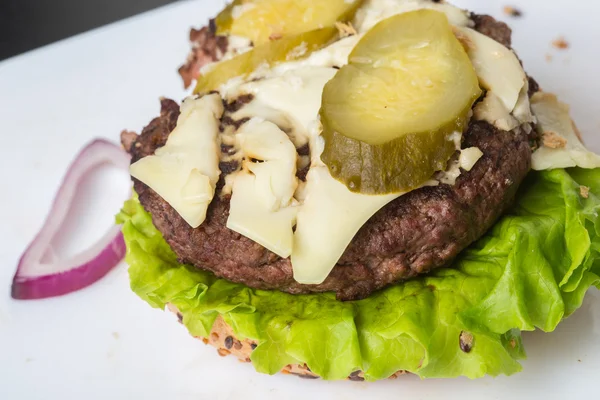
(360,189)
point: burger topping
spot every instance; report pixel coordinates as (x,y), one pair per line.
(185,171)
(271,157)
(327,221)
(263,20)
(387,116)
(561,146)
(285,49)
(506,104)
(250,216)
(374,11)
(291,98)
(465,161)
(492,110)
(408,82)
(497,67)
(262,206)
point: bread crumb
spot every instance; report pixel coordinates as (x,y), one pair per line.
(549,57)
(115,335)
(512,11)
(275,36)
(560,43)
(584,191)
(345,30)
(554,141)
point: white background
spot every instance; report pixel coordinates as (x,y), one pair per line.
(104,342)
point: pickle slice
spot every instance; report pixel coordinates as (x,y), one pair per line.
(264,20)
(388,115)
(286,49)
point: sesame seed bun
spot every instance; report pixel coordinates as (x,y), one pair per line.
(224,340)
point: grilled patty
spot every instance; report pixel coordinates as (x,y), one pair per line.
(412,235)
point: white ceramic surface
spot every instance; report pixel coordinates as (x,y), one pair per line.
(104,342)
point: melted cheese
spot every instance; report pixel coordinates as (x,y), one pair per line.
(497,67)
(276,172)
(554,119)
(185,170)
(262,206)
(296,92)
(522,111)
(374,11)
(334,55)
(466,161)
(290,99)
(469,157)
(249,217)
(492,110)
(326,223)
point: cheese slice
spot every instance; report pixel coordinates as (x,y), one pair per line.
(248,216)
(262,204)
(469,157)
(275,169)
(554,120)
(185,170)
(296,93)
(326,223)
(522,111)
(493,110)
(374,11)
(497,67)
(291,99)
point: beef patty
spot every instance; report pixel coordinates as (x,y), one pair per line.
(420,231)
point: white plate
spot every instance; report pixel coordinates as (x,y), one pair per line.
(104,342)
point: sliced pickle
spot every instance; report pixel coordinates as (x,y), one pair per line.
(388,115)
(286,49)
(264,20)
(224,20)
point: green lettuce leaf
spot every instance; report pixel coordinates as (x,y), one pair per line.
(530,271)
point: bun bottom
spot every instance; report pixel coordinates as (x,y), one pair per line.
(224,340)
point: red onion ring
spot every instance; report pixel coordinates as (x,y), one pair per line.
(36,278)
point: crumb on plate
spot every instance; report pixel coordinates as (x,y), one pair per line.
(512,11)
(560,43)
